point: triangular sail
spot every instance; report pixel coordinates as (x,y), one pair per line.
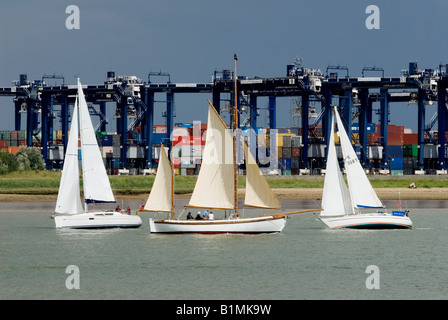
(69,198)
(95,180)
(361,191)
(215,184)
(160,197)
(258,192)
(336,197)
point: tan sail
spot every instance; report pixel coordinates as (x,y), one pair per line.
(160,197)
(215,184)
(258,192)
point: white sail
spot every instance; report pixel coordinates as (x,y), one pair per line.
(258,192)
(95,180)
(160,197)
(336,197)
(215,184)
(361,191)
(69,199)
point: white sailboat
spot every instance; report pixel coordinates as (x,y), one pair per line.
(69,212)
(215,189)
(357,206)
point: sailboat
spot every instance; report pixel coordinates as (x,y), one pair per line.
(355,206)
(69,212)
(216,189)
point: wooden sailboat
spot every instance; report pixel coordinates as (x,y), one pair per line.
(69,212)
(216,188)
(357,206)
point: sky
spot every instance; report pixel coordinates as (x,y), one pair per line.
(191,39)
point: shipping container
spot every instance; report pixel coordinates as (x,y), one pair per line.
(410,150)
(410,138)
(279,138)
(396,163)
(295,163)
(375,152)
(286,153)
(286,172)
(430,151)
(394,151)
(396,172)
(296,141)
(107,140)
(316,150)
(286,141)
(284,164)
(295,152)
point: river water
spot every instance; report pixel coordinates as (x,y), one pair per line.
(305,261)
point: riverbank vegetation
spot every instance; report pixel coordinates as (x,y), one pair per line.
(46,182)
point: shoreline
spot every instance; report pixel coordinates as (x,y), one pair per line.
(281,193)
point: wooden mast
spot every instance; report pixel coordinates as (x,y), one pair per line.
(172,183)
(235,128)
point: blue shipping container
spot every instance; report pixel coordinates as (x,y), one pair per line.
(284,164)
(396,163)
(394,151)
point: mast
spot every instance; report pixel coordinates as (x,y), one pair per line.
(172,184)
(235,128)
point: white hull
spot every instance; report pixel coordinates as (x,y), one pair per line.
(96,220)
(369,221)
(265,224)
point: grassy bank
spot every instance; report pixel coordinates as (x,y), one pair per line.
(47,183)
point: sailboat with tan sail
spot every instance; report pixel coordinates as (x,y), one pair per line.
(216,188)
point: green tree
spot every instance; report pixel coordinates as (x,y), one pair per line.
(8,162)
(30,159)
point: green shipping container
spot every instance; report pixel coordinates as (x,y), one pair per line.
(396,172)
(410,150)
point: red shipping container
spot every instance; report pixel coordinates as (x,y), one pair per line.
(295,152)
(410,138)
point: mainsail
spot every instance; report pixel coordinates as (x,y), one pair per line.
(258,192)
(160,197)
(215,184)
(361,191)
(96,183)
(69,199)
(336,197)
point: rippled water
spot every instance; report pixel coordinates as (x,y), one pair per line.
(305,261)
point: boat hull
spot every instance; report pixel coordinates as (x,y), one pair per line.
(265,224)
(97,220)
(368,221)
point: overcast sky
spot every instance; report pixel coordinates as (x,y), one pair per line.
(190,39)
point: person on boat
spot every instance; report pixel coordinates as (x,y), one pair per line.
(198,216)
(205,215)
(189,216)
(142,207)
(118,209)
(128,211)
(211,216)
